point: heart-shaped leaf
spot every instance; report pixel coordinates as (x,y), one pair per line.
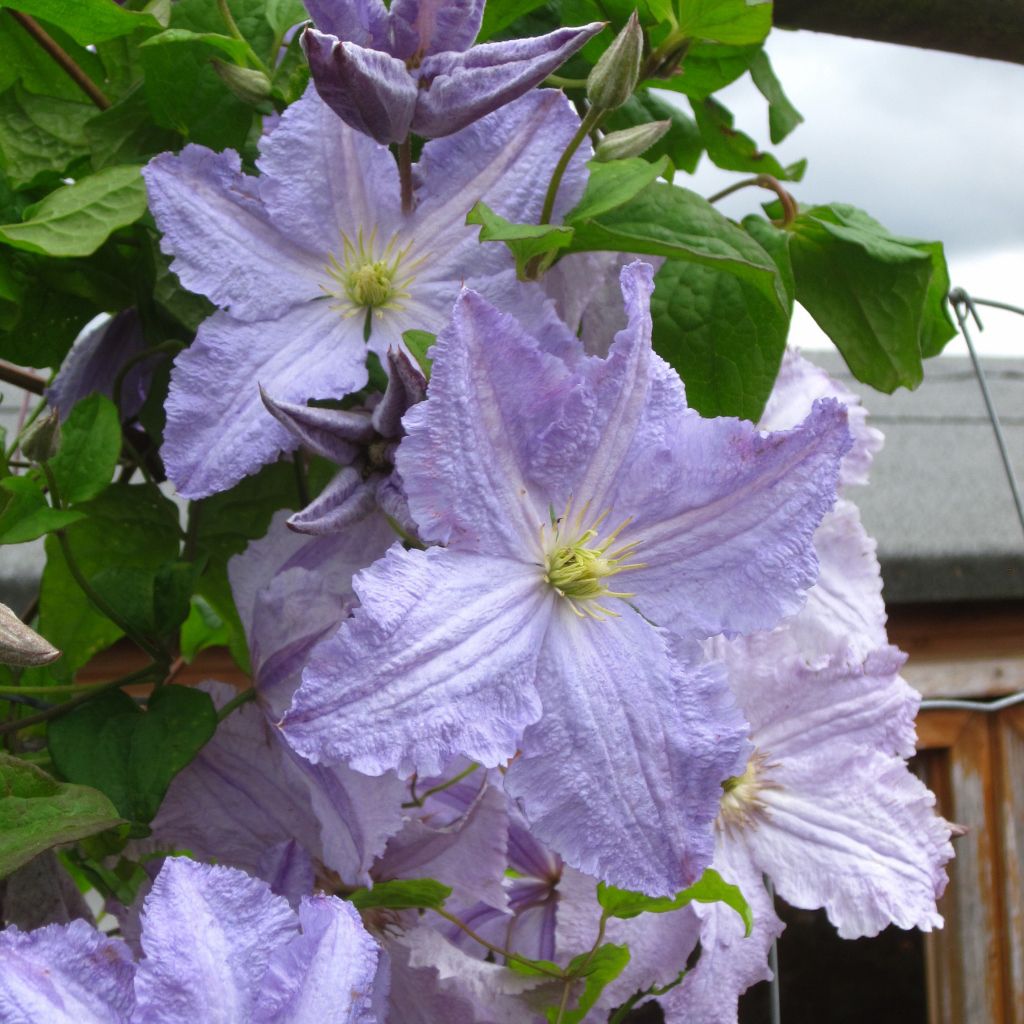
(129,754)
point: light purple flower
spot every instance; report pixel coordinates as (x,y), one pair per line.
(580,503)
(413,67)
(218,946)
(306,255)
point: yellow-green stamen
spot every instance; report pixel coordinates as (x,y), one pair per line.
(363,280)
(742,805)
(578,561)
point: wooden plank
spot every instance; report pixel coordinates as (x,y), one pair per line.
(1010,796)
(966,968)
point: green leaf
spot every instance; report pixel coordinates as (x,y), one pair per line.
(237,49)
(709,888)
(283,14)
(737,22)
(667,221)
(783,117)
(38,813)
(419,343)
(23,60)
(499,14)
(403,894)
(709,67)
(90,445)
(86,21)
(874,294)
(681,143)
(613,183)
(111,744)
(534,244)
(937,326)
(154,602)
(203,628)
(41,136)
(126,526)
(126,134)
(731,149)
(722,335)
(25,514)
(77,219)
(597,969)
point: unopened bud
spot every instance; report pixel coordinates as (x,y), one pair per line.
(614,76)
(630,141)
(42,439)
(250,86)
(21,646)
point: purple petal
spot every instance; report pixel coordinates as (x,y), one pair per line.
(421,27)
(208,934)
(458,88)
(470,855)
(730,962)
(323,976)
(505,160)
(370,91)
(466,450)
(334,434)
(65,974)
(95,362)
(853,831)
(406,683)
(622,775)
(224,241)
(797,386)
(217,428)
(359,21)
(322,180)
(406,387)
(343,503)
(288,869)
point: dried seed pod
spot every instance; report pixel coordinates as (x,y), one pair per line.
(22,646)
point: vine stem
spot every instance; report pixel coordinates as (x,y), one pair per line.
(418,801)
(789,210)
(405,173)
(62,58)
(507,953)
(21,378)
(142,675)
(590,121)
(236,702)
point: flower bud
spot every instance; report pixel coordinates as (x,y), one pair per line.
(630,141)
(20,645)
(614,76)
(42,439)
(250,86)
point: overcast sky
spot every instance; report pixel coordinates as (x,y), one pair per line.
(931,144)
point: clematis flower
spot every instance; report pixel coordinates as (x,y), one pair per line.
(315,250)
(413,66)
(217,944)
(363,442)
(579,503)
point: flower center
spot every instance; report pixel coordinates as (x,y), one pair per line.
(741,805)
(366,277)
(578,560)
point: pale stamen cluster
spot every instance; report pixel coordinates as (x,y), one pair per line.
(742,806)
(367,281)
(576,567)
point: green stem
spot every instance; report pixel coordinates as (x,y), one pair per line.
(507,953)
(32,417)
(558,82)
(56,688)
(141,676)
(592,119)
(236,702)
(418,801)
(62,58)
(95,599)
(21,378)
(563,1003)
(229,21)
(413,542)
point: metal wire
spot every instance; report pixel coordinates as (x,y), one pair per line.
(775,1001)
(962,304)
(986,706)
